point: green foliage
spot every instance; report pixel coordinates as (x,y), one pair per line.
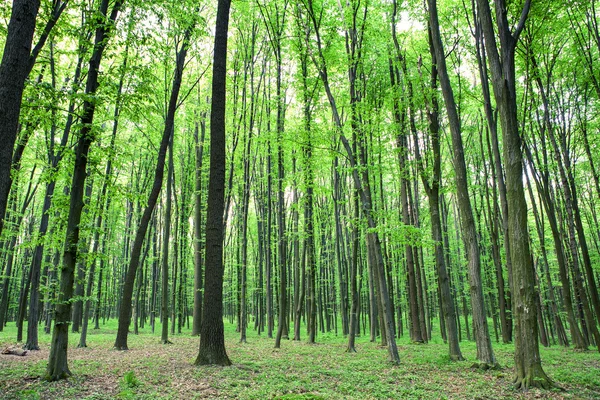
(147,36)
(130,381)
(129,384)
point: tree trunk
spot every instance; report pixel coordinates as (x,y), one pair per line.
(528,366)
(485,354)
(14,70)
(447,311)
(164,292)
(198,247)
(245,198)
(212,341)
(57,364)
(125,306)
(499,182)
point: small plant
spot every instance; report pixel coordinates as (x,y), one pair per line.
(128,384)
(29,394)
(130,381)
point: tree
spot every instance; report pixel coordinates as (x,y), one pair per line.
(134,261)
(57,364)
(360,181)
(198,246)
(14,69)
(166,242)
(528,365)
(275,20)
(212,341)
(432,188)
(485,354)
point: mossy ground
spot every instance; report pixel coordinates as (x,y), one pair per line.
(151,370)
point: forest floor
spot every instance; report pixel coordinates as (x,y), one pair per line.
(151,370)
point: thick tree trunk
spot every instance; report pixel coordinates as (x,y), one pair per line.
(14,69)
(212,341)
(528,365)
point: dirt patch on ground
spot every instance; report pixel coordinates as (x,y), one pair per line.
(99,373)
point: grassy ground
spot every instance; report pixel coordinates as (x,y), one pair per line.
(298,370)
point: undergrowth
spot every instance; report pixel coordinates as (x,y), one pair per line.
(150,370)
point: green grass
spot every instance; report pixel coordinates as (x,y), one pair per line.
(150,370)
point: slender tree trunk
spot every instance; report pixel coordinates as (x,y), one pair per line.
(164,292)
(499,181)
(198,245)
(246,199)
(81,264)
(54,160)
(447,311)
(354,313)
(485,354)
(57,364)
(125,306)
(364,191)
(9,248)
(543,188)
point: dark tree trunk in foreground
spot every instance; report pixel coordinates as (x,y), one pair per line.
(485,354)
(57,364)
(125,308)
(13,72)
(528,365)
(54,158)
(212,340)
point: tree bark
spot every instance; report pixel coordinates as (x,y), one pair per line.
(212,340)
(14,69)
(485,354)
(528,365)
(57,364)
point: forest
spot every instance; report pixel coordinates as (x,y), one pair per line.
(299,199)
